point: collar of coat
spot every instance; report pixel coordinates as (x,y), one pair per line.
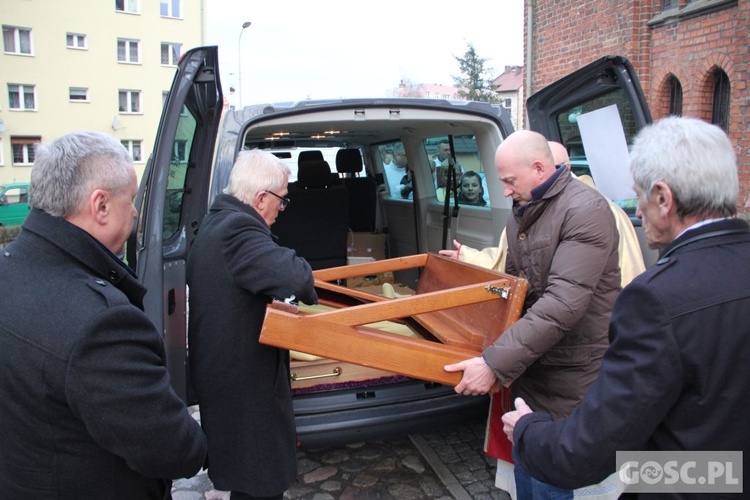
(540,194)
(87,251)
(229,202)
(705,234)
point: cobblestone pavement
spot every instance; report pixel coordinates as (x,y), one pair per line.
(444,464)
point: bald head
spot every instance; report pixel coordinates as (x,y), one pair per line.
(523,161)
(526,146)
(559,153)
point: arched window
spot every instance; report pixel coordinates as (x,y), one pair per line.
(675,96)
(720,104)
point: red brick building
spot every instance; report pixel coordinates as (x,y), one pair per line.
(692,56)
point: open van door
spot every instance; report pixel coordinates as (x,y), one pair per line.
(172,200)
(558,110)
(609,80)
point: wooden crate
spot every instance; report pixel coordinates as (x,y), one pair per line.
(465,307)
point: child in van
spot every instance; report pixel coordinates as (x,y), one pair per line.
(471,191)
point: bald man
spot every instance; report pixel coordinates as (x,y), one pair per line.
(559,153)
(628,248)
(562,238)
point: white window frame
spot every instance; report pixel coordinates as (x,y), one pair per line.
(16,49)
(27,150)
(130,145)
(76,41)
(128,44)
(168,5)
(129,102)
(2,158)
(172,59)
(72,91)
(129,7)
(21,90)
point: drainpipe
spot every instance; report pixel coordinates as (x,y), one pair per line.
(529,52)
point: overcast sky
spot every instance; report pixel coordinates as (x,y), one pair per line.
(299,49)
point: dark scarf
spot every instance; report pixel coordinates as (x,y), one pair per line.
(538,192)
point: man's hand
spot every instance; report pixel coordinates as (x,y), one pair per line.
(453,254)
(510,418)
(478,377)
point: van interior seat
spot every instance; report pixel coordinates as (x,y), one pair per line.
(313,155)
(363,190)
(314,174)
(309,155)
(316,221)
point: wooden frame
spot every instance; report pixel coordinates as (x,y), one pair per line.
(464,306)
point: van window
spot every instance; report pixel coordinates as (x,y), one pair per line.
(469,169)
(567,123)
(395,167)
(177,171)
(14,195)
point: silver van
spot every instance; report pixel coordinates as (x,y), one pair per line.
(345,403)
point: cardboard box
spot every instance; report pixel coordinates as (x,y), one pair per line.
(367,245)
(353,259)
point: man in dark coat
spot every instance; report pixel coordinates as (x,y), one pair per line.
(234,270)
(676,376)
(88,411)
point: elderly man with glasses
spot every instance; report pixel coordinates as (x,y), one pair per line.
(234,269)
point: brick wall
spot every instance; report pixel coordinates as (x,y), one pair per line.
(567,34)
(689,44)
(692,49)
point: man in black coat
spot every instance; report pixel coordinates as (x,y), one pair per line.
(234,270)
(676,376)
(88,411)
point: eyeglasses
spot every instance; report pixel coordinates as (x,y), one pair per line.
(284,201)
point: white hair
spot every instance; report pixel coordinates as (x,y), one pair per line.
(694,158)
(68,169)
(255,171)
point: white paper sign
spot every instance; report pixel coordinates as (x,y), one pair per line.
(607,152)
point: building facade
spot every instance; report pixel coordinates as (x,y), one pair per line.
(103,65)
(426,91)
(692,57)
(509,88)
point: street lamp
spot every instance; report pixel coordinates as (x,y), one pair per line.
(246,24)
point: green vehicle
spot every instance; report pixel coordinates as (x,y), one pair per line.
(14,203)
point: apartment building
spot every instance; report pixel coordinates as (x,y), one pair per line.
(103,65)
